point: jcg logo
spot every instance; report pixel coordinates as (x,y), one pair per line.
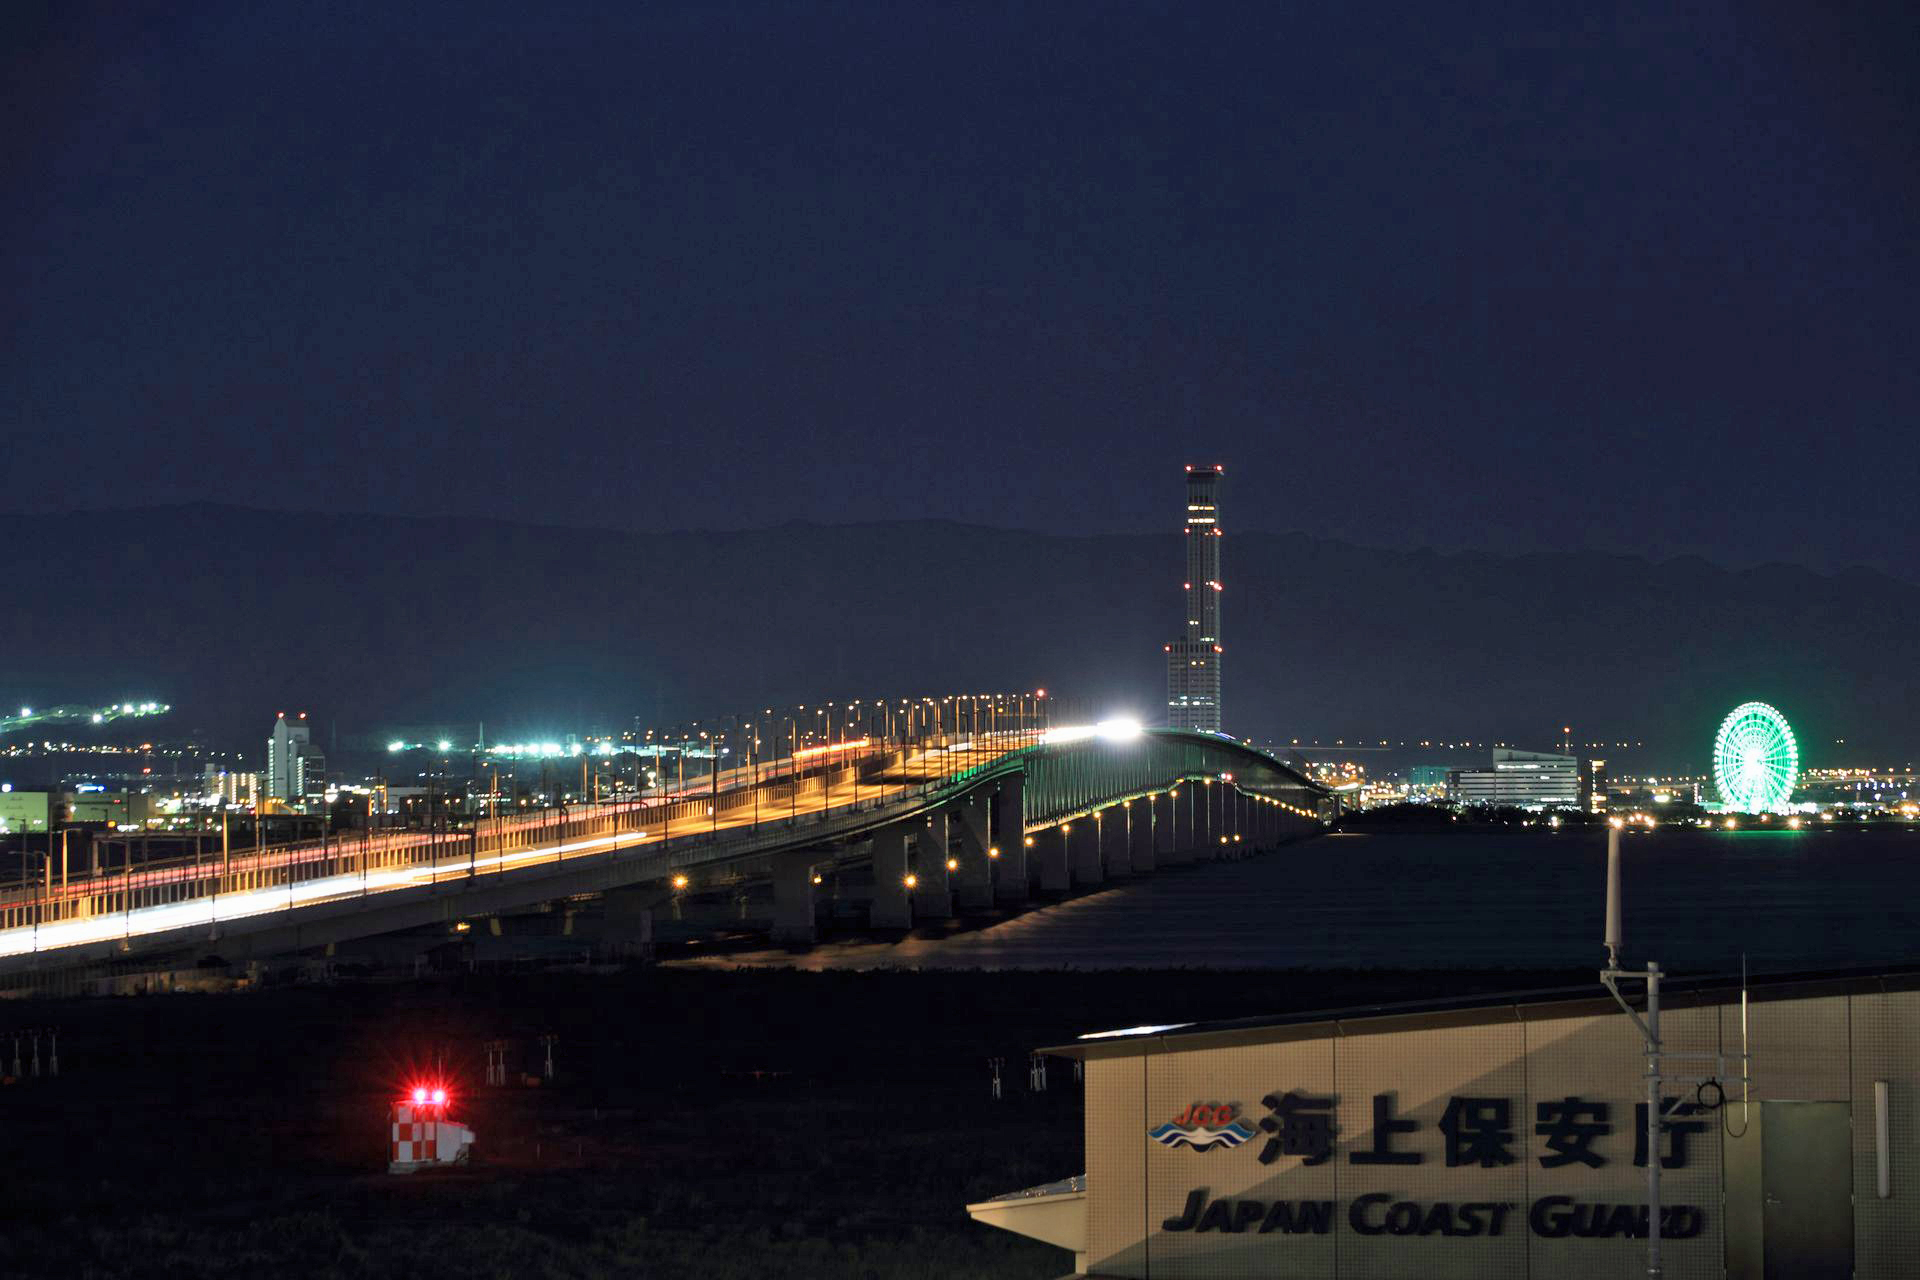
(1203,1126)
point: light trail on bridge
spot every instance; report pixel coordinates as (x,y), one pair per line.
(240,905)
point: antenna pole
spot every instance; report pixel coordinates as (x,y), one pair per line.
(1649,1028)
(1746,1050)
(1654,1103)
(1613,897)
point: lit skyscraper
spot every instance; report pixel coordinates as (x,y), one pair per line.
(1193,662)
(295,767)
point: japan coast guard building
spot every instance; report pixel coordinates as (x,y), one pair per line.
(1501,1138)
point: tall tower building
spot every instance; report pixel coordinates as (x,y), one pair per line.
(1193,662)
(295,767)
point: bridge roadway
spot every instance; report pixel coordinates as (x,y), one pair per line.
(956,824)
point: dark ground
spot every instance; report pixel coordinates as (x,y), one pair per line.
(244,1134)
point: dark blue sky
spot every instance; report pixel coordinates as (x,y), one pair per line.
(1514,277)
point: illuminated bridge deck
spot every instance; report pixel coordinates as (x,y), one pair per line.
(362,883)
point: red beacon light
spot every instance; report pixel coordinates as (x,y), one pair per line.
(422,1096)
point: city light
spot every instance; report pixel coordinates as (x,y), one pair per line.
(530,750)
(1117,729)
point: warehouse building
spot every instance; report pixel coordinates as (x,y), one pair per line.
(1522,779)
(1502,1137)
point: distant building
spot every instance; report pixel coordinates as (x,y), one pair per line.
(113,809)
(1594,787)
(1428,778)
(231,787)
(1193,662)
(1520,779)
(295,767)
(23,811)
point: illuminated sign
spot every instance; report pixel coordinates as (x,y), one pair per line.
(1475,1132)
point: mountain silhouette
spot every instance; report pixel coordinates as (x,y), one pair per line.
(232,613)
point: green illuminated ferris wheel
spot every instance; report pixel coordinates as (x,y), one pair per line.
(1755,759)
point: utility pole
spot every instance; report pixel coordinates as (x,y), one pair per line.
(1649,1028)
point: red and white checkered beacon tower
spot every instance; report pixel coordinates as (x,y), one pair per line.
(423,1135)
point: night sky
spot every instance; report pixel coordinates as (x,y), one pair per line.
(1510,277)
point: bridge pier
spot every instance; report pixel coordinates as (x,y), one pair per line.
(1206,826)
(1181,824)
(626,919)
(973,882)
(1050,852)
(1009,837)
(1140,834)
(933,895)
(1164,831)
(892,906)
(1114,857)
(1083,851)
(793,915)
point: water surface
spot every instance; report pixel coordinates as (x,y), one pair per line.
(1694,901)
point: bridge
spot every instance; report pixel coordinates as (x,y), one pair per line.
(941,824)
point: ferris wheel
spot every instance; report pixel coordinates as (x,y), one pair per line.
(1755,759)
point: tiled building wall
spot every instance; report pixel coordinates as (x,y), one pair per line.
(1144,1226)
(1116,1166)
(1885,1035)
(1240,1077)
